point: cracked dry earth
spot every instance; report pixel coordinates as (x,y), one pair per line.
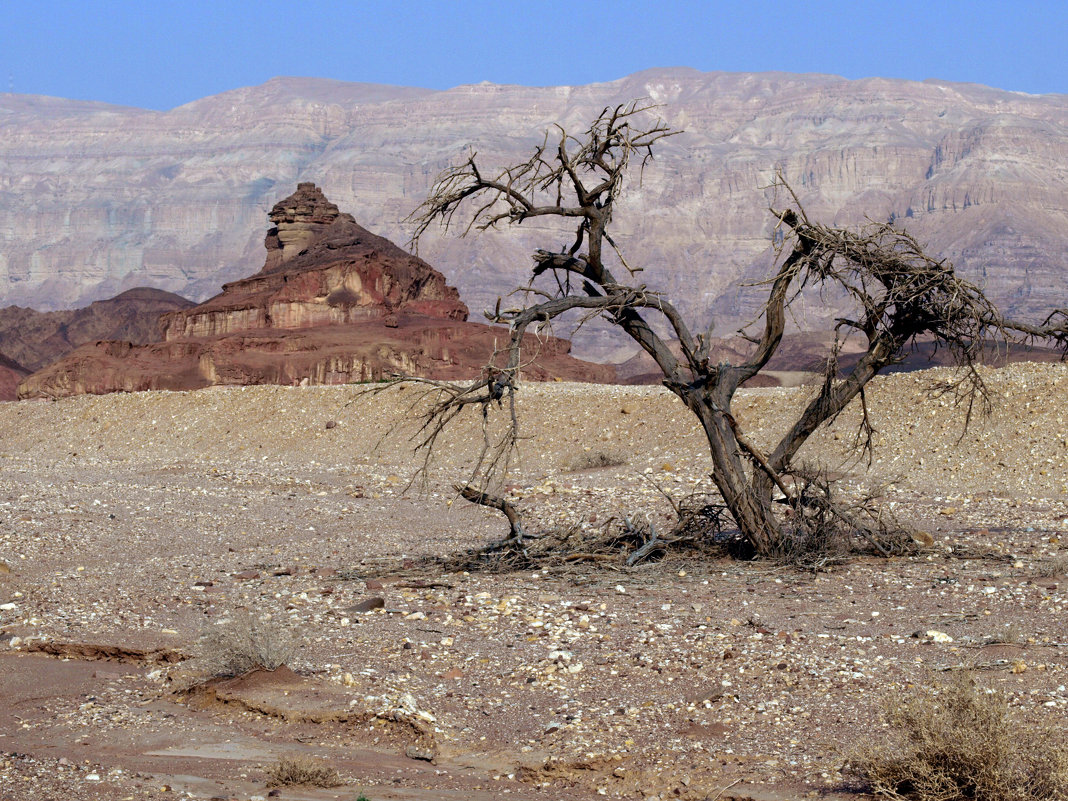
(132,524)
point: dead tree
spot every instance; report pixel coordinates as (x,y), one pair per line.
(898,294)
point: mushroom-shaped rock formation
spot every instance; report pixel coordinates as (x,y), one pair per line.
(322,269)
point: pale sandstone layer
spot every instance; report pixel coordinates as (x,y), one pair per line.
(105,197)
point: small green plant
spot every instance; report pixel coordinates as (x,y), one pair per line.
(242,644)
(957,742)
(302,770)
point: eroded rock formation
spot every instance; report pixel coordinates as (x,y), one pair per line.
(322,269)
(333,304)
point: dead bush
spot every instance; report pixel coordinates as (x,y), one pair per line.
(955,741)
(241,644)
(619,541)
(1051,568)
(821,528)
(302,770)
(595,460)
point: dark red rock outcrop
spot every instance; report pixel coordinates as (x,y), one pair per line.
(11,374)
(333,304)
(35,339)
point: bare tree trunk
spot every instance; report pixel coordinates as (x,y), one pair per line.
(750,508)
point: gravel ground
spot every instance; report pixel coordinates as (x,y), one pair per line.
(137,522)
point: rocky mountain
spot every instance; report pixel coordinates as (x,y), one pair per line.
(332,304)
(95,199)
(35,339)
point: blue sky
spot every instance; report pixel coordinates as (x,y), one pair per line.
(160,54)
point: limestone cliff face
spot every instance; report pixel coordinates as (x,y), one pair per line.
(105,198)
(322,269)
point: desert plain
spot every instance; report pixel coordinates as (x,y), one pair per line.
(134,525)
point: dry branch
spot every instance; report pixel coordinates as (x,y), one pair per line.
(481,498)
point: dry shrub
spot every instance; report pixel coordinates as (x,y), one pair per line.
(1010,634)
(700,517)
(811,543)
(303,770)
(818,530)
(821,528)
(615,542)
(955,741)
(595,460)
(241,644)
(1057,566)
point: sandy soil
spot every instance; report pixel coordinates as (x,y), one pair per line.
(133,524)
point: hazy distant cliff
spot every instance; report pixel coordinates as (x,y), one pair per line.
(95,198)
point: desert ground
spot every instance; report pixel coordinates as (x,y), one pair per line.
(135,525)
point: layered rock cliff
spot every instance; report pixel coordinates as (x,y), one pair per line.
(332,304)
(104,198)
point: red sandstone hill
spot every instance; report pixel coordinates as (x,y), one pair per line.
(322,269)
(333,304)
(35,339)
